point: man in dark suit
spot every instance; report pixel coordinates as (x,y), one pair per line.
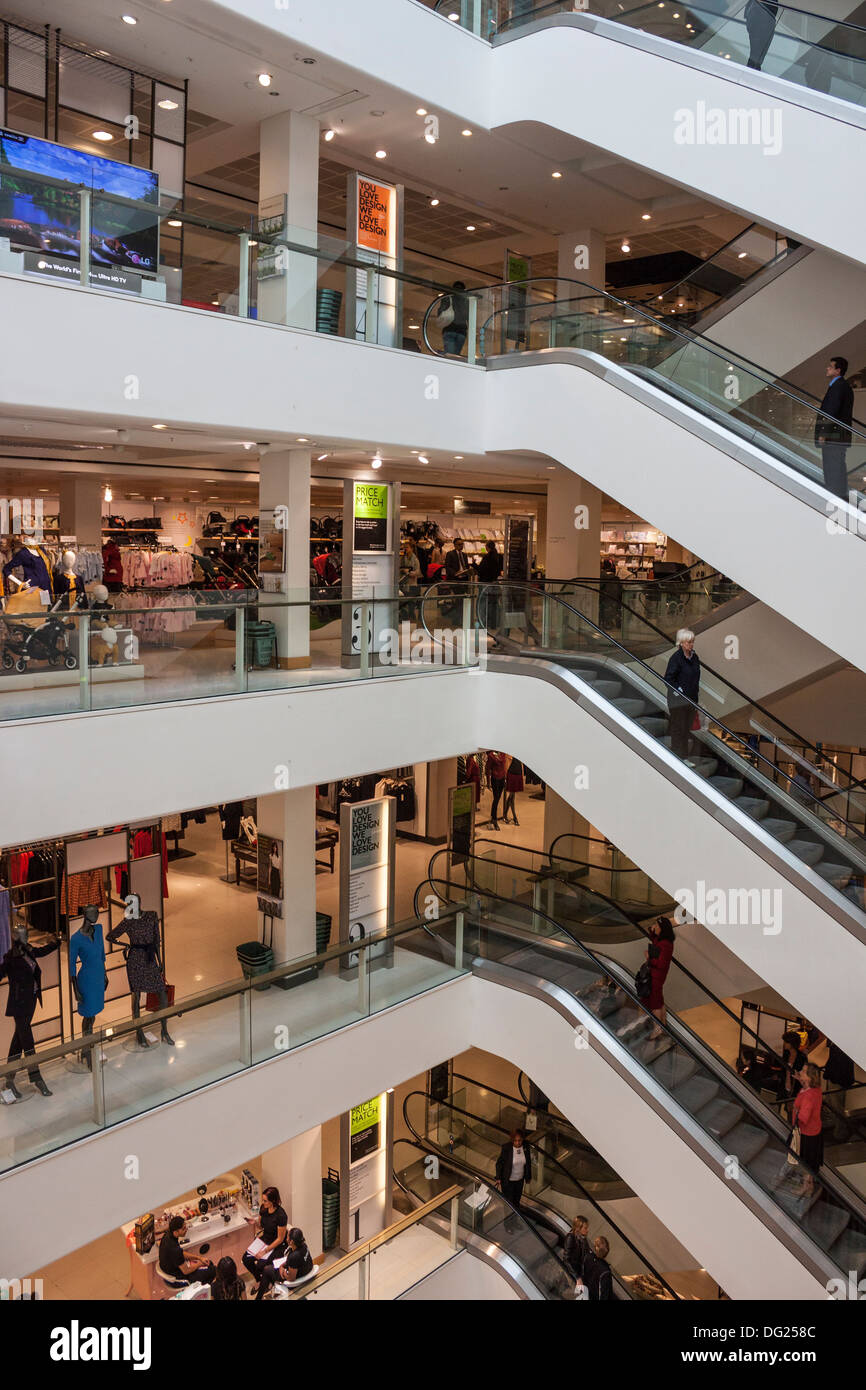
(832,427)
(513,1169)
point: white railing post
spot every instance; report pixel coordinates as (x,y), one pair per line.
(85,200)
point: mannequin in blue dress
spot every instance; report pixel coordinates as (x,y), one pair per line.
(90,982)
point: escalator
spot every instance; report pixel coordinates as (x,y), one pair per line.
(551,1199)
(819,1218)
(490,1227)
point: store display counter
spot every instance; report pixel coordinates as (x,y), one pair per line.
(222,1237)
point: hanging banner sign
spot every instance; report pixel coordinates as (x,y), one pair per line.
(376,228)
(370,517)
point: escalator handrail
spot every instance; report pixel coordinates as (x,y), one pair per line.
(548,1158)
(726,246)
(516,20)
(749,1102)
(705,666)
(426,1145)
(651,321)
(500,587)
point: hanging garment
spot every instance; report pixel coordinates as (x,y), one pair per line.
(5,921)
(91,976)
(42,891)
(142,954)
(18,864)
(230,819)
(473,776)
(82,890)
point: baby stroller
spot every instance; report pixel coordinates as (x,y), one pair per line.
(32,639)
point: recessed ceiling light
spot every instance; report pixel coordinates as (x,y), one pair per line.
(646,217)
(422,458)
(175,222)
(129,19)
(321,458)
(102,135)
(466,132)
(742,254)
(471,227)
(414,325)
(215,303)
(381,154)
(413,451)
(248,444)
(167,105)
(376,462)
(159,427)
(329,134)
(458,456)
(628,320)
(625,247)
(434,202)
(556,174)
(453,18)
(302,439)
(265,79)
(422,111)
(551,467)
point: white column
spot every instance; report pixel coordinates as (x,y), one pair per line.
(289,167)
(290,816)
(284,481)
(81,510)
(573,526)
(586,247)
(296,1169)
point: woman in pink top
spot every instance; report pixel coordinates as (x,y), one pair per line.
(807,1120)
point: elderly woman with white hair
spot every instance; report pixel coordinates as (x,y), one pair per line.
(683,677)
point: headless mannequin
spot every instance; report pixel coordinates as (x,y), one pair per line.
(69,584)
(88,928)
(143,965)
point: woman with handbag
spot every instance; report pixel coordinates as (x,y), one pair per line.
(808,1125)
(513,784)
(660,953)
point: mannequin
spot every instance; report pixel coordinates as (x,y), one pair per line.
(31,561)
(112,566)
(90,983)
(143,966)
(68,585)
(20,966)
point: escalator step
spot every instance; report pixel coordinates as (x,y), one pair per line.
(769,1167)
(849,1251)
(728,787)
(697,1092)
(653,1048)
(834,873)
(720,1116)
(781,830)
(625,1018)
(746,1141)
(807,850)
(826,1222)
(629,707)
(754,806)
(705,767)
(607,689)
(673,1068)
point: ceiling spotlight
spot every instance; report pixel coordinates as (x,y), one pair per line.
(458,457)
(625,247)
(265,79)
(129,19)
(159,427)
(742,255)
(434,202)
(248,444)
(471,227)
(174,222)
(466,132)
(321,458)
(329,135)
(302,439)
(422,111)
(646,217)
(102,135)
(108,495)
(167,105)
(556,174)
(628,320)
(381,154)
(454,18)
(376,462)
(422,458)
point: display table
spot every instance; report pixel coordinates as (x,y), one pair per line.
(224,1237)
(326,839)
(245,853)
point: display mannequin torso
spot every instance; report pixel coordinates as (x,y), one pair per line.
(143,969)
(87,952)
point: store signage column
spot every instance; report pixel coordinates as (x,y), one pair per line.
(371,538)
(286,873)
(367,837)
(366,1143)
(373,301)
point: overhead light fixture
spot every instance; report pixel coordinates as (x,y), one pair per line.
(413,451)
(434,202)
(556,174)
(646,217)
(167,105)
(175,222)
(742,255)
(625,247)
(159,427)
(459,457)
(302,439)
(129,19)
(108,495)
(628,320)
(414,325)
(471,227)
(454,18)
(321,458)
(421,111)
(376,462)
(329,135)
(422,458)
(265,79)
(466,132)
(248,444)
(102,135)
(381,154)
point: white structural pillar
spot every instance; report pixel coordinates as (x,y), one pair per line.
(290,816)
(581,255)
(284,489)
(296,1169)
(573,526)
(81,510)
(289,176)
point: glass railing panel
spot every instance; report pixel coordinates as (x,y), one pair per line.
(419,961)
(74,1109)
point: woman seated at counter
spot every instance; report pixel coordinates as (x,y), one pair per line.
(178,1264)
(271,1230)
(228,1287)
(298,1264)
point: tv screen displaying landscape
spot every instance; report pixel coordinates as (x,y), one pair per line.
(38,216)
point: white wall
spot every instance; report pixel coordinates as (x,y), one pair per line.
(466,1278)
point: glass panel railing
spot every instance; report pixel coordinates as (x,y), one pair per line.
(828,1212)
(722,274)
(722,386)
(149,648)
(811,50)
(116,1072)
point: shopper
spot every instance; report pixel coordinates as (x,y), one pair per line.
(228,1287)
(807,1122)
(683,677)
(513,784)
(488,571)
(180,1265)
(456,564)
(659,954)
(577,1247)
(513,1169)
(761,25)
(794,1059)
(272,1230)
(20,966)
(833,427)
(497,764)
(453,316)
(490,564)
(298,1264)
(597,1278)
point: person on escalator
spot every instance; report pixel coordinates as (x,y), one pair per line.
(683,678)
(660,953)
(833,427)
(597,1278)
(576,1247)
(808,1124)
(760,25)
(513,1169)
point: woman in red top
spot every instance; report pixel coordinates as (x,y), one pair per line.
(807,1120)
(497,764)
(659,954)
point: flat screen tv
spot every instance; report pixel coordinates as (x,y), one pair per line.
(39,216)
